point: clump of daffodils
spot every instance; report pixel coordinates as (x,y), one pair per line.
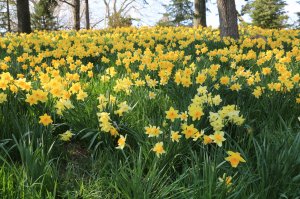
(58,72)
(66,136)
(62,105)
(220,119)
(123,108)
(202,101)
(105,122)
(3,97)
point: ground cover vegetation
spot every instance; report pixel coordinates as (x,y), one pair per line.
(162,112)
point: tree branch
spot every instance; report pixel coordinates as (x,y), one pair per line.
(66,2)
(115,6)
(97,23)
(125,7)
(107,8)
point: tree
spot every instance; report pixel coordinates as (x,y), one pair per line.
(180,12)
(165,21)
(116,20)
(4,16)
(200,13)
(87,15)
(298,21)
(267,13)
(23,15)
(76,12)
(43,17)
(8,16)
(5,19)
(228,19)
(117,12)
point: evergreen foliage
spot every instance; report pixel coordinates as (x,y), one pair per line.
(43,17)
(267,13)
(180,12)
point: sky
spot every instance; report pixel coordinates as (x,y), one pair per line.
(152,12)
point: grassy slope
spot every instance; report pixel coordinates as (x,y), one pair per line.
(35,165)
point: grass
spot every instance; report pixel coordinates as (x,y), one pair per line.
(36,163)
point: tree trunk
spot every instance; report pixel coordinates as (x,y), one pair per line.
(8,16)
(87,15)
(23,15)
(228,18)
(200,13)
(76,14)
